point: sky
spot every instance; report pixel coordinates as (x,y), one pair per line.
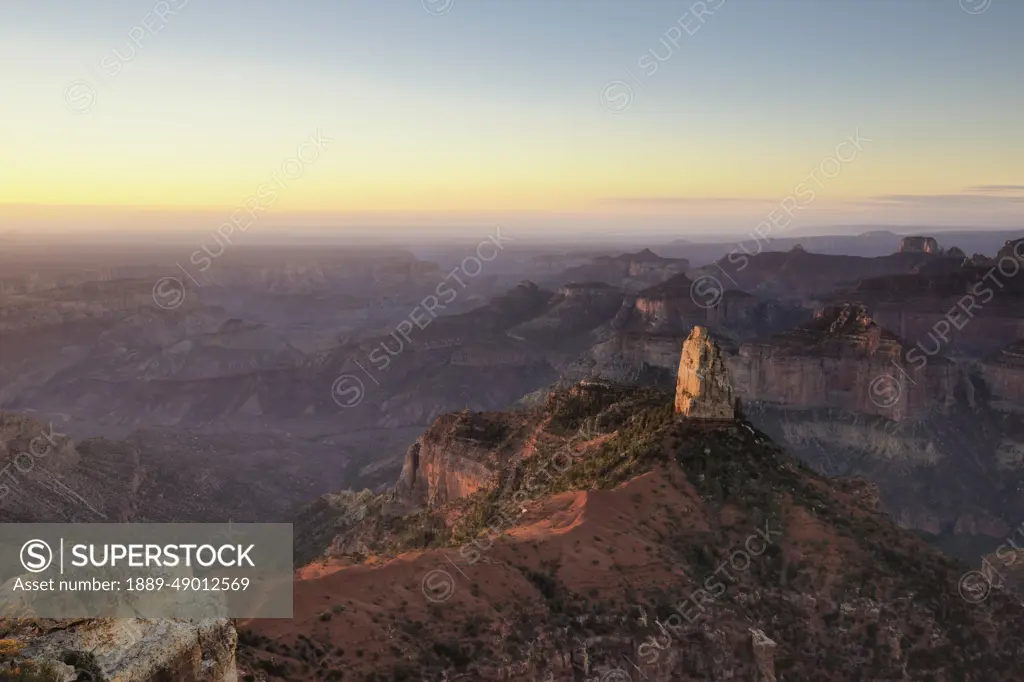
(676,117)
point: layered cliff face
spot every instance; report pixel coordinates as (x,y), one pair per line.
(109,355)
(955,475)
(799,274)
(37,281)
(575,310)
(841,393)
(463,453)
(1004,375)
(924,327)
(458,455)
(676,305)
(647,265)
(669,307)
(919,245)
(90,301)
(971,309)
(702,386)
(641,343)
(629,271)
(842,359)
(740,316)
(125,650)
(629,357)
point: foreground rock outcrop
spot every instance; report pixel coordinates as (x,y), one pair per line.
(124,650)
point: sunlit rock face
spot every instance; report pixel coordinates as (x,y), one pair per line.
(702,386)
(455,457)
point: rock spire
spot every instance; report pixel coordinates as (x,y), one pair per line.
(702,386)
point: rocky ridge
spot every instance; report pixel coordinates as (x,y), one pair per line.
(800,274)
(119,650)
(628,271)
(592,550)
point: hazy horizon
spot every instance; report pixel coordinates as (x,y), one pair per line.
(673,119)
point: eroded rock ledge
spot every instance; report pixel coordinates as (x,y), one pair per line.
(128,649)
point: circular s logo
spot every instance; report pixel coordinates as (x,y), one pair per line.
(974,587)
(36,556)
(616,97)
(348,390)
(885,391)
(438,7)
(975,6)
(169,293)
(438,585)
(79,97)
(706,291)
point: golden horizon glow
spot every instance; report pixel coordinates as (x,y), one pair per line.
(513,184)
(191,125)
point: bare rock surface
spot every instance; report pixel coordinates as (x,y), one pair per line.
(129,649)
(702,387)
(919,245)
(842,359)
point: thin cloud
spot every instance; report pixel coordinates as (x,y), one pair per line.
(994,188)
(944,199)
(682,201)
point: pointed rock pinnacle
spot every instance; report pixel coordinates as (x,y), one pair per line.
(702,386)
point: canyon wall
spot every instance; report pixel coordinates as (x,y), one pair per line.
(843,360)
(993,328)
(455,457)
(919,245)
(1004,376)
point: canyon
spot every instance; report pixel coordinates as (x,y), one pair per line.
(399,438)
(572,540)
